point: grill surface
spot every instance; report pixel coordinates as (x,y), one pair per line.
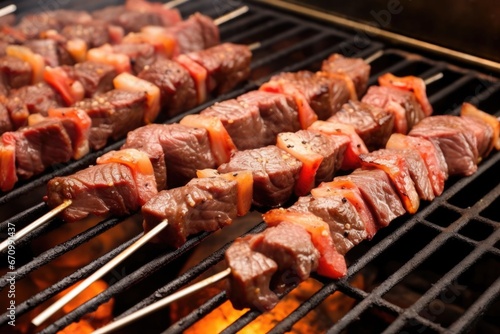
(452,235)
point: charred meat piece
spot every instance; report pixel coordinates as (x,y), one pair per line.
(325,95)
(96,78)
(176,151)
(140,54)
(31,99)
(242,122)
(177,88)
(251,274)
(33,25)
(401,103)
(346,226)
(455,139)
(98,190)
(378,192)
(431,154)
(227,65)
(53,54)
(40,146)
(14,72)
(483,133)
(196,33)
(5,122)
(205,204)
(290,246)
(129,20)
(355,68)
(95,33)
(278,112)
(274,173)
(372,124)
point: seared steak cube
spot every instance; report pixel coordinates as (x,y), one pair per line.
(96,78)
(251,274)
(274,173)
(355,68)
(15,72)
(205,204)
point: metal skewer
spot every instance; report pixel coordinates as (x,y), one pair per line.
(8,10)
(47,313)
(36,224)
(164,302)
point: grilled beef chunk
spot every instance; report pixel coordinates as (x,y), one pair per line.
(290,246)
(373,124)
(177,88)
(95,33)
(5,122)
(129,20)
(33,25)
(41,146)
(346,226)
(242,122)
(274,173)
(140,54)
(99,190)
(96,78)
(205,204)
(356,69)
(31,99)
(455,139)
(378,192)
(402,104)
(174,149)
(113,114)
(278,112)
(251,274)
(227,65)
(14,72)
(431,154)
(196,33)
(325,95)
(52,53)
(482,132)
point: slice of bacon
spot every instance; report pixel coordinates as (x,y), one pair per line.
(410,83)
(354,149)
(307,116)
(71,90)
(36,61)
(311,160)
(8,175)
(471,111)
(105,54)
(77,123)
(141,168)
(350,191)
(331,263)
(243,178)
(131,83)
(221,143)
(198,73)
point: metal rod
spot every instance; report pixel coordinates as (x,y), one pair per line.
(8,10)
(174,3)
(164,302)
(36,224)
(47,313)
(231,15)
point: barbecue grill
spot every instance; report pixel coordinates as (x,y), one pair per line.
(455,237)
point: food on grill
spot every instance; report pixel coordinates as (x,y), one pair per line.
(14,72)
(356,69)
(401,103)
(470,111)
(8,175)
(108,188)
(374,125)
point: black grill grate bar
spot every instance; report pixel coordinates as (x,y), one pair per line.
(60,249)
(478,307)
(444,282)
(391,69)
(256,29)
(123,284)
(35,211)
(451,89)
(65,283)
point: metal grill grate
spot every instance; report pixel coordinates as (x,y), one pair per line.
(450,222)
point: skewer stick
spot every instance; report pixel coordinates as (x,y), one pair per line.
(374,56)
(174,3)
(8,10)
(163,302)
(231,15)
(433,78)
(47,313)
(36,224)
